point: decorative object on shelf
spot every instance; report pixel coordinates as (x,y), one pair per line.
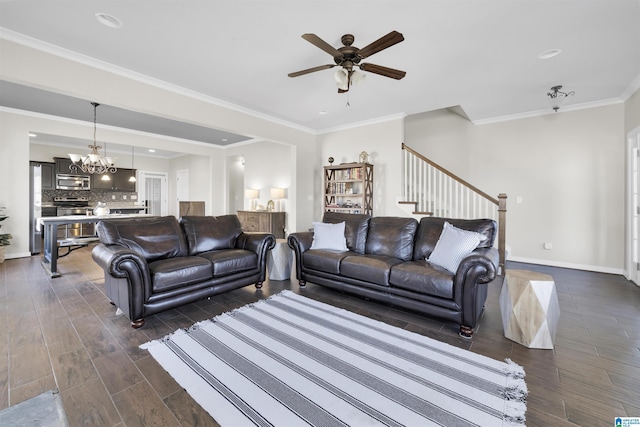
(270,206)
(348,58)
(277,196)
(252,195)
(364,157)
(93,162)
(330,160)
(558,98)
(101,209)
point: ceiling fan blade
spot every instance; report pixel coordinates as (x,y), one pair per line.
(383,71)
(311,70)
(318,42)
(384,42)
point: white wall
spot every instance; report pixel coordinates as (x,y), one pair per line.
(568,167)
(267,165)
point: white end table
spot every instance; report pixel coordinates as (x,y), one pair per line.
(279,261)
(529,308)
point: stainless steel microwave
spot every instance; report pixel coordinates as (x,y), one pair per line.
(73,182)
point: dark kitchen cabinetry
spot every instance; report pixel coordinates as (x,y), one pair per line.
(119,181)
(62,166)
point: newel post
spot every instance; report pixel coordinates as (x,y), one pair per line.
(502,230)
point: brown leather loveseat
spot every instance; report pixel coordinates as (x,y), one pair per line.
(390,259)
(152,264)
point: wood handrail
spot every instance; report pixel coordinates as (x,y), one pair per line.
(451,175)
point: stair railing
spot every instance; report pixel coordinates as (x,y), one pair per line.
(434,191)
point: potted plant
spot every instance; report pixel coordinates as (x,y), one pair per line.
(4,237)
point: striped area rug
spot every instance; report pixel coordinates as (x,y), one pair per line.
(289,360)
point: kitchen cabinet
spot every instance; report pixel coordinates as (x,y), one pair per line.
(62,166)
(263,222)
(118,181)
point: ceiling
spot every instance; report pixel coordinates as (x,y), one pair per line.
(480,55)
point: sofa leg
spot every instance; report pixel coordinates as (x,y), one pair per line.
(135,324)
(258,285)
(302,283)
(466,332)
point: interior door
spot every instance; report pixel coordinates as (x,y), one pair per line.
(153,190)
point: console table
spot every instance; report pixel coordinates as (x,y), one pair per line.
(263,222)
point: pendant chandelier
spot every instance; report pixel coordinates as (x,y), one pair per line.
(93,162)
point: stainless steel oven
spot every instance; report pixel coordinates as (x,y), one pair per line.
(72,206)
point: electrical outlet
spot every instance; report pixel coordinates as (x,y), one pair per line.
(519,200)
(548,245)
(124,197)
(134,197)
(113,197)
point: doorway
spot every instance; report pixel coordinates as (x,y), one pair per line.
(235,184)
(153,191)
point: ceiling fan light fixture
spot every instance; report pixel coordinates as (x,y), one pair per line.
(357,78)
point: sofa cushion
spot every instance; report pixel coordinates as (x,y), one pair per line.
(209,233)
(391,236)
(329,236)
(171,273)
(152,237)
(369,268)
(453,245)
(430,229)
(356,227)
(423,278)
(231,261)
(327,261)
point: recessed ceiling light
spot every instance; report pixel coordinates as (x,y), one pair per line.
(151,150)
(549,53)
(224,139)
(108,20)
(32,135)
(323,112)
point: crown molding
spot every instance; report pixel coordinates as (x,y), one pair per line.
(548,111)
(377,120)
(89,61)
(631,89)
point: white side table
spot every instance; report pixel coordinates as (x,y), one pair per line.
(529,308)
(279,261)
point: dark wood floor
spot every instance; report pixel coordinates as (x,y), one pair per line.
(63,333)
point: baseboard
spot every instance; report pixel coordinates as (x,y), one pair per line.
(598,269)
(17,255)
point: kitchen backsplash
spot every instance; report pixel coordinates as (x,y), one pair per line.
(122,199)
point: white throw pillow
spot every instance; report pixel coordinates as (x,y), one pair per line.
(453,245)
(329,236)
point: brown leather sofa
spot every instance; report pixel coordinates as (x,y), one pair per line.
(386,261)
(153,264)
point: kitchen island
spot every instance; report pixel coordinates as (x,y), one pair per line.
(52,244)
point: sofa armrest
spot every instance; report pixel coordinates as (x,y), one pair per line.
(300,243)
(261,244)
(475,271)
(123,263)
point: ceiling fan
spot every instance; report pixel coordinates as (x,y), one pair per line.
(347,57)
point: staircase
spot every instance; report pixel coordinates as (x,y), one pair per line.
(431,190)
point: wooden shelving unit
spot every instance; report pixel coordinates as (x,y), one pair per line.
(348,188)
